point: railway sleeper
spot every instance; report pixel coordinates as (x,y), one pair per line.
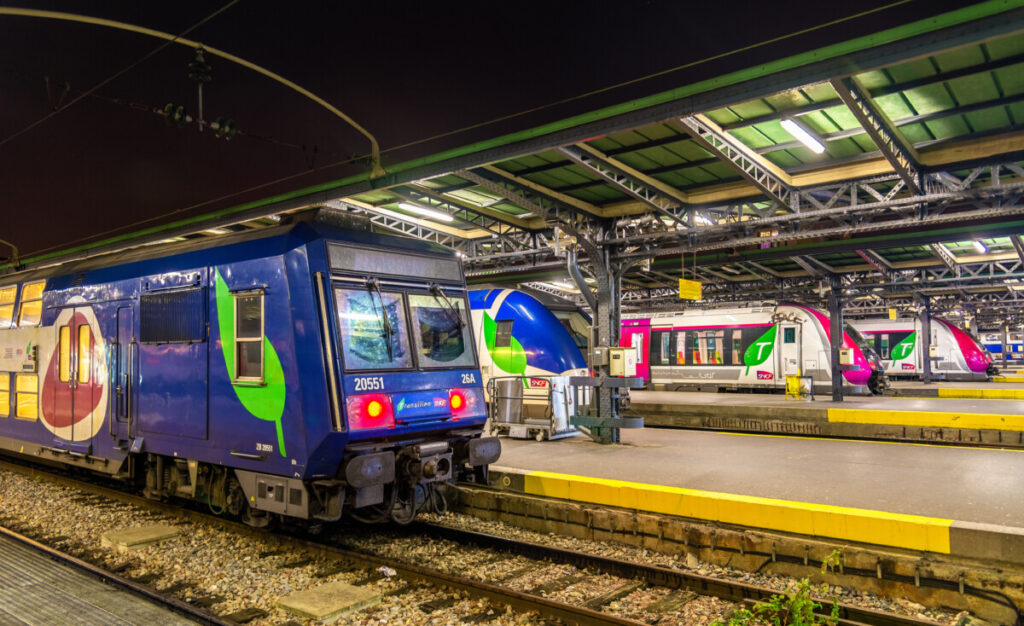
(993,592)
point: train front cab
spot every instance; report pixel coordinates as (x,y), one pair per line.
(411,391)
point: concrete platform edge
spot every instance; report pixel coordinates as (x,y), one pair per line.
(880,528)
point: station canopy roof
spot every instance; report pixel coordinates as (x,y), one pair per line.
(914,187)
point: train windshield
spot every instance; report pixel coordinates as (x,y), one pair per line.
(373,330)
(858,339)
(440,330)
(578,327)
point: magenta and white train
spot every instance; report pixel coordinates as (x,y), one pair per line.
(956,355)
(745,348)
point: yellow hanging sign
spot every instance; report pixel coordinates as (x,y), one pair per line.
(892,314)
(690,289)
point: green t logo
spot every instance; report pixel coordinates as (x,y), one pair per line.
(759,351)
(903,349)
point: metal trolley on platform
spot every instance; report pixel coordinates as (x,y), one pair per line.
(552,407)
(524,407)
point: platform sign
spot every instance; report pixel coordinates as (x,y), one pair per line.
(690,289)
(892,314)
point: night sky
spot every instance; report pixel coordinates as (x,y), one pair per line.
(406,71)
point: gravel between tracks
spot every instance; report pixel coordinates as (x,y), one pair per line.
(248,572)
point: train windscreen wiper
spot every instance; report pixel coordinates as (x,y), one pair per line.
(387,331)
(450,310)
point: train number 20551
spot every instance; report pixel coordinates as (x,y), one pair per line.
(370,383)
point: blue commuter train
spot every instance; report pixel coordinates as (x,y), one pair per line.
(298,371)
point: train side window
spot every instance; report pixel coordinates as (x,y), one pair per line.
(64,355)
(789,335)
(31,310)
(7,295)
(885,346)
(84,353)
(503,334)
(716,347)
(680,356)
(5,394)
(249,337)
(661,347)
(26,387)
(737,350)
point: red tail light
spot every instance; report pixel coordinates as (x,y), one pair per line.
(371,410)
(466,401)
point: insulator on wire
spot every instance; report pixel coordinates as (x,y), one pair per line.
(224,128)
(175,115)
(199,69)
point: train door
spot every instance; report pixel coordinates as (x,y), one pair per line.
(74,391)
(637,337)
(123,363)
(789,350)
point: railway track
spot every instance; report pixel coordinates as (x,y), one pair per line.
(165,600)
(559,598)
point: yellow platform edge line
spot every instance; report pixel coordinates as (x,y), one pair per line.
(899,530)
(1008,379)
(988,394)
(933,419)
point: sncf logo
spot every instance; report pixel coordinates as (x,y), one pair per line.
(537,383)
(763,375)
(908,366)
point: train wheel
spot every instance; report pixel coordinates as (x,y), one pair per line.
(254,518)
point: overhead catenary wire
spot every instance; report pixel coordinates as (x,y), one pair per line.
(59,109)
(376,169)
(463,129)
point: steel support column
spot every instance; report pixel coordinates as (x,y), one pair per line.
(835,315)
(1006,345)
(926,338)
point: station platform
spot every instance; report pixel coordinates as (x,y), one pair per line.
(983,390)
(948,500)
(36,590)
(970,421)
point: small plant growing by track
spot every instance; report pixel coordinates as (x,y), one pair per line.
(796,608)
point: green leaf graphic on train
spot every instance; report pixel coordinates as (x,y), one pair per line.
(265,402)
(759,351)
(511,358)
(903,349)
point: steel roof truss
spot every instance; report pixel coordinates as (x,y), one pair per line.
(650,196)
(1018,245)
(897,151)
(406,227)
(747,163)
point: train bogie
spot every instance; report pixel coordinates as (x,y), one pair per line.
(241,372)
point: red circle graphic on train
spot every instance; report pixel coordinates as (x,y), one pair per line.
(74,390)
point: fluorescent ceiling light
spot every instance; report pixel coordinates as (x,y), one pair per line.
(415,208)
(217,231)
(980,246)
(803,135)
(564,286)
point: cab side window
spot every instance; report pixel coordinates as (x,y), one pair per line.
(249,337)
(31,309)
(7,295)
